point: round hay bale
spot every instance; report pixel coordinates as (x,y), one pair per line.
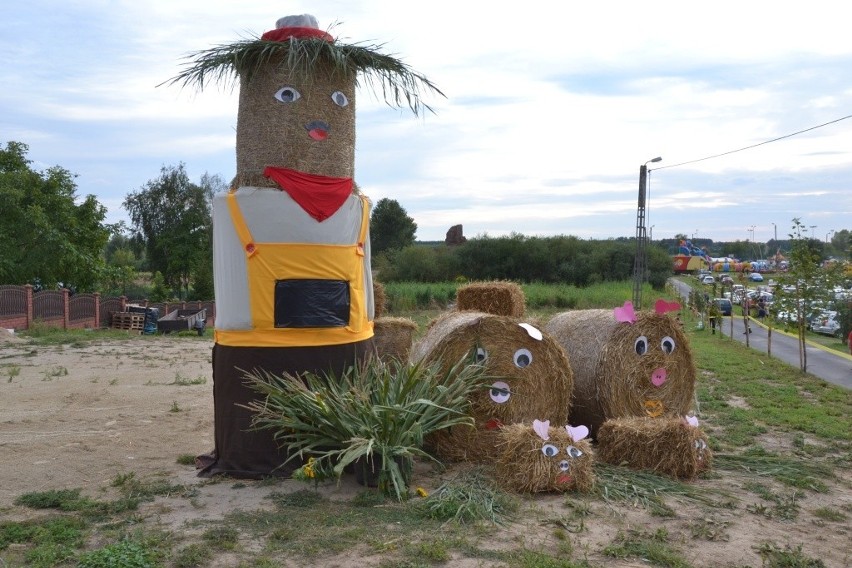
(393,337)
(498,298)
(530,378)
(529,463)
(667,446)
(275,133)
(379,299)
(620,369)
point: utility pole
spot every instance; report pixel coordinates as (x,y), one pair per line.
(641,258)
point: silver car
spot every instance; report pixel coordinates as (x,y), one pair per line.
(826,323)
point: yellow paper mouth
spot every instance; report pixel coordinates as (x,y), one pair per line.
(653,408)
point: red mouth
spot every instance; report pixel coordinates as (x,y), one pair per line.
(318,134)
(563,479)
(493,424)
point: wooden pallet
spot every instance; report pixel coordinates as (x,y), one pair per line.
(128,320)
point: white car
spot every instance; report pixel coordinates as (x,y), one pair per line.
(755,277)
(826,323)
(708,280)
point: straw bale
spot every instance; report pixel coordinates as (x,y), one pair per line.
(523,466)
(393,337)
(272,133)
(498,298)
(667,446)
(540,389)
(612,380)
(379,299)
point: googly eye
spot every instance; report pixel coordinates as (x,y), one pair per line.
(641,345)
(499,392)
(523,358)
(481,355)
(573,452)
(667,345)
(564,465)
(549,450)
(287,95)
(339,99)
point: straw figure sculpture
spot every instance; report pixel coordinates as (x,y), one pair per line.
(498,298)
(675,447)
(537,458)
(291,250)
(393,337)
(626,363)
(530,378)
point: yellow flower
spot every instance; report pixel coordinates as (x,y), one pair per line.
(422,492)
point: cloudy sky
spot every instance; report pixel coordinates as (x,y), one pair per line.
(550,108)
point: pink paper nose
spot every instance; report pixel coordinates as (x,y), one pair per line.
(658,377)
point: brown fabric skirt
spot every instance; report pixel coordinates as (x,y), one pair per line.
(240,451)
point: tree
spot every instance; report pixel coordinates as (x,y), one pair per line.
(46,236)
(390,227)
(172,217)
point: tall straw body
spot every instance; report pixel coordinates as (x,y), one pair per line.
(275,133)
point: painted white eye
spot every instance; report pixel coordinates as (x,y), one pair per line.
(288,95)
(481,355)
(573,452)
(549,450)
(700,445)
(523,358)
(499,392)
(668,345)
(564,465)
(641,345)
(339,99)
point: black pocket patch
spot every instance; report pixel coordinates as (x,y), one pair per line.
(311,303)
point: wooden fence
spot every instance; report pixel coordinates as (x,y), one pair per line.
(20,308)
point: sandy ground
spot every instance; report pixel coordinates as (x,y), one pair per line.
(78,416)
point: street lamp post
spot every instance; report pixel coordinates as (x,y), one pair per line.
(640,260)
(812,231)
(827,235)
(651,236)
(775,227)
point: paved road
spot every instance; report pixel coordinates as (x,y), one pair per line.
(828,365)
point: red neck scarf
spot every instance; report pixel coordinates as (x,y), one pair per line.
(319,196)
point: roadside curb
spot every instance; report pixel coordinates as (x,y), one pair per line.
(807,341)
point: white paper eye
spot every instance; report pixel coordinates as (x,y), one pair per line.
(667,345)
(523,358)
(287,95)
(573,452)
(549,450)
(499,392)
(481,355)
(641,345)
(339,99)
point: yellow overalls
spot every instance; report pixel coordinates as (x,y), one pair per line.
(287,282)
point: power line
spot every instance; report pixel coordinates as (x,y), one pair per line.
(754,145)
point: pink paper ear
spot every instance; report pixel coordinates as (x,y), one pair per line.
(577,433)
(625,313)
(662,306)
(541,428)
(692,421)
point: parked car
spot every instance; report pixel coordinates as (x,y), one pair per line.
(725,306)
(826,323)
(755,277)
(725,279)
(708,280)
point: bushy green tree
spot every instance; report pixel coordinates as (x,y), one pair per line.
(47,234)
(390,227)
(172,217)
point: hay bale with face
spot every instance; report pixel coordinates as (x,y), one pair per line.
(537,458)
(626,363)
(393,338)
(530,378)
(675,447)
(498,298)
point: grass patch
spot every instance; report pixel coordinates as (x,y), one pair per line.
(652,548)
(469,497)
(787,557)
(801,474)
(124,553)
